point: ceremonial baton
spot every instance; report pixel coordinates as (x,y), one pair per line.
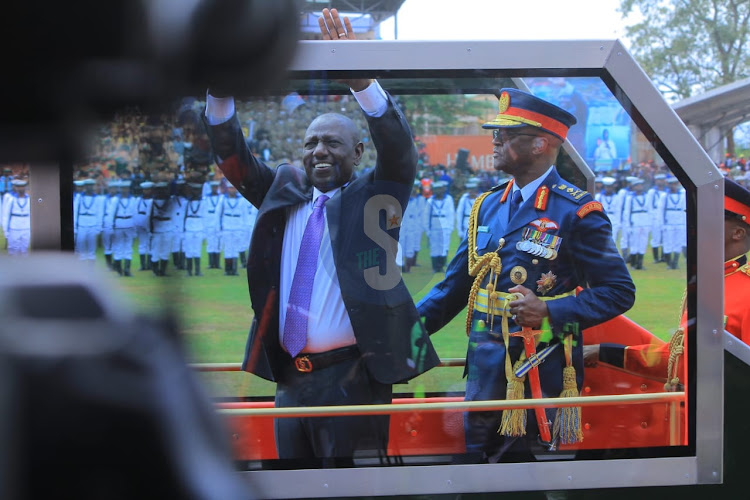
(533,360)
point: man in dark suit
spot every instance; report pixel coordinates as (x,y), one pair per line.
(361,332)
(531,242)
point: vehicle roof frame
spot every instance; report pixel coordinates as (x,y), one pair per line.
(609,60)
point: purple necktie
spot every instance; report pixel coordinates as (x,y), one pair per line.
(515,202)
(297,309)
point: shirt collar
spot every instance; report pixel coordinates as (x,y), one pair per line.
(733,265)
(330,194)
(530,189)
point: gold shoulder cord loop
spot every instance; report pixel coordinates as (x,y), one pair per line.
(480,266)
(676,349)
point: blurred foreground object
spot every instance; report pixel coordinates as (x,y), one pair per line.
(69,63)
(95,402)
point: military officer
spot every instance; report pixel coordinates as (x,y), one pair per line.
(463,209)
(637,219)
(16,221)
(194,228)
(213,235)
(672,211)
(612,205)
(123,209)
(162,227)
(232,219)
(78,188)
(108,234)
(532,241)
(655,194)
(625,191)
(142,226)
(88,218)
(412,228)
(179,200)
(247,231)
(439,218)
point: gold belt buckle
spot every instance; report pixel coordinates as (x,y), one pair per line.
(303,364)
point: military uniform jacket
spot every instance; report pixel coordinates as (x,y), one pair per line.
(652,360)
(737,298)
(122,212)
(390,337)
(88,211)
(162,216)
(143,209)
(16,213)
(213,204)
(586,257)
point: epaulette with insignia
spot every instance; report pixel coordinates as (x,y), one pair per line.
(745,269)
(569,191)
(592,206)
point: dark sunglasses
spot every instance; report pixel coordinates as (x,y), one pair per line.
(503,136)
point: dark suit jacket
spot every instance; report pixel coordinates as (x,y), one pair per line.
(389,334)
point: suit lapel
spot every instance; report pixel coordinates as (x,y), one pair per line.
(292,192)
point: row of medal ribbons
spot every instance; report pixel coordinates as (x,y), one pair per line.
(539,244)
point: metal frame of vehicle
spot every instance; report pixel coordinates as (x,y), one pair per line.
(610,61)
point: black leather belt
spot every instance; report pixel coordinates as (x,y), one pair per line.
(306,363)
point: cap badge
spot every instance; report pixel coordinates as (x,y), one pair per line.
(504,103)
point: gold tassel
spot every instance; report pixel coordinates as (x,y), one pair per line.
(513,422)
(568,420)
(567,428)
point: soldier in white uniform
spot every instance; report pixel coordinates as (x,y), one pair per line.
(16,213)
(162,227)
(623,193)
(439,218)
(411,228)
(194,228)
(180,200)
(142,224)
(463,209)
(252,214)
(124,210)
(88,219)
(612,204)
(655,195)
(108,235)
(675,222)
(232,220)
(213,235)
(637,219)
(78,188)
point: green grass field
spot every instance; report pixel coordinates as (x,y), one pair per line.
(215,314)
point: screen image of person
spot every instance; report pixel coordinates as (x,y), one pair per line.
(330,327)
(532,241)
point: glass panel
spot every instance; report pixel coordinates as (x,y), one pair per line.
(151,235)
